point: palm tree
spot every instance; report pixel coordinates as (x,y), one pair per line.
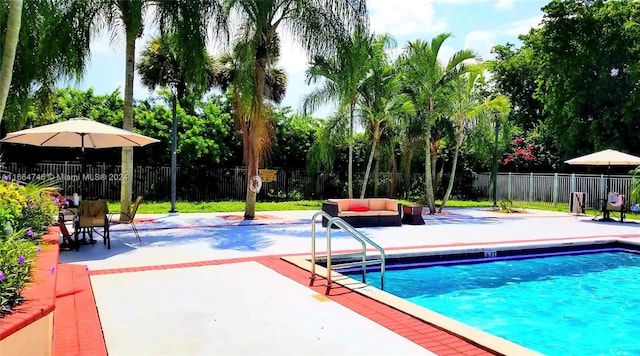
(466,103)
(186,19)
(53,45)
(233,72)
(380,101)
(343,75)
(9,51)
(425,79)
(314,24)
(161,65)
(125,16)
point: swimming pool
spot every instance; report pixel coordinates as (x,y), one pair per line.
(579,300)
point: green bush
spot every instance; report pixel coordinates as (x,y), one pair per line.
(26,207)
(16,259)
(13,199)
(25,211)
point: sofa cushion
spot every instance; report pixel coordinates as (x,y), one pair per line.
(358,202)
(359,208)
(392,205)
(343,204)
(377,204)
(387,213)
(348,213)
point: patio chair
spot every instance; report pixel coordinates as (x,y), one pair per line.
(91,214)
(128,219)
(616,202)
(67,241)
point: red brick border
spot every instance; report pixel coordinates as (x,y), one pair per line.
(39,294)
(76,326)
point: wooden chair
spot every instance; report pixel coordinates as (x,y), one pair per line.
(128,218)
(91,214)
(67,241)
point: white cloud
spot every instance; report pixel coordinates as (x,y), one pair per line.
(504,4)
(521,27)
(445,53)
(481,42)
(292,58)
(403,17)
(394,53)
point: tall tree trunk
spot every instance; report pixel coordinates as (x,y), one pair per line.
(256,130)
(369,163)
(350,168)
(394,175)
(428,169)
(433,149)
(126,185)
(453,172)
(9,51)
(252,171)
(428,174)
(376,169)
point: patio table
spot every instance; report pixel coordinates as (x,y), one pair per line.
(412,214)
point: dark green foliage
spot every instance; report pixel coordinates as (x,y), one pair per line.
(574,81)
(16,259)
(206,134)
(295,135)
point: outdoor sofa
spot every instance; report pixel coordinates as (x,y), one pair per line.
(364,212)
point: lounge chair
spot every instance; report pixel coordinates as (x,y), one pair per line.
(128,219)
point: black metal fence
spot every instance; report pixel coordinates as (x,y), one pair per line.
(193,183)
(208,184)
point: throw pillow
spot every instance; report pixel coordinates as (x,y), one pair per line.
(359,208)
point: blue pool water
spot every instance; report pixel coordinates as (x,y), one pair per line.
(586,304)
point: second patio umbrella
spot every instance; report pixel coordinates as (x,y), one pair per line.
(606,158)
(79,132)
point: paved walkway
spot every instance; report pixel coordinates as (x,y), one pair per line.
(244,307)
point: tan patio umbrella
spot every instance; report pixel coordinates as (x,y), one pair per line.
(606,158)
(78,132)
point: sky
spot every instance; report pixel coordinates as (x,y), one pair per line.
(474,24)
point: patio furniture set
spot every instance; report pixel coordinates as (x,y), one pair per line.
(90,215)
(373,212)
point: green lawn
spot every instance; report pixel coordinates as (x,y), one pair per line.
(147,207)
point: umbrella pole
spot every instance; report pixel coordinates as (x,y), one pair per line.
(82,169)
(605,201)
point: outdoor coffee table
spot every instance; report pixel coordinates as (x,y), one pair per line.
(412,214)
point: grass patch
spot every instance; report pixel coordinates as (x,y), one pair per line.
(147,207)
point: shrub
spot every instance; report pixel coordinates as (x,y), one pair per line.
(25,210)
(12,202)
(40,209)
(26,207)
(16,258)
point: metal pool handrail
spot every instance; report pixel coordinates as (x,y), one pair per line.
(357,235)
(313,239)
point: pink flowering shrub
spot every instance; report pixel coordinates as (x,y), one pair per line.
(523,155)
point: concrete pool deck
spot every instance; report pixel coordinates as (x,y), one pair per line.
(214,284)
